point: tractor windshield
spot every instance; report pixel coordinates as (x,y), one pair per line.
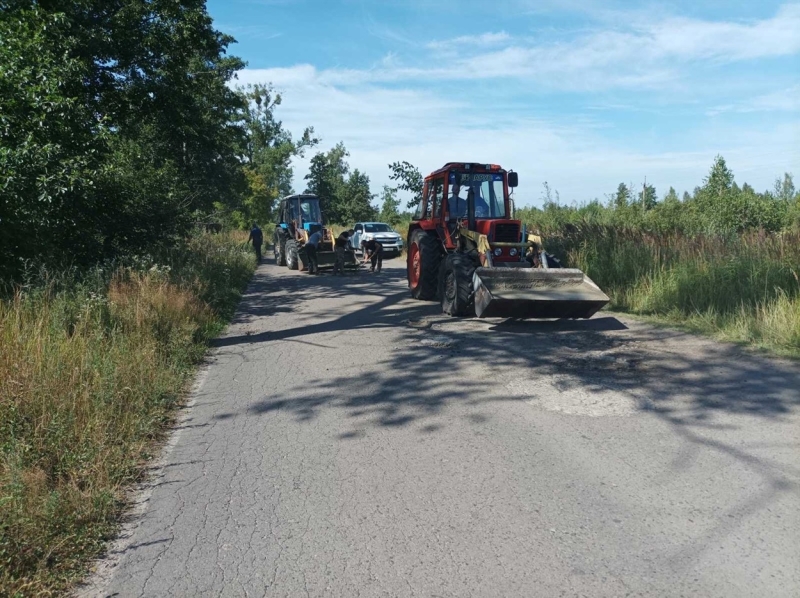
(309,210)
(488,191)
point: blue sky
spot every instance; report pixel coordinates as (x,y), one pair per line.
(584,95)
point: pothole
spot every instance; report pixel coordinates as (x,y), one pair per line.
(572,397)
(440,342)
(420,324)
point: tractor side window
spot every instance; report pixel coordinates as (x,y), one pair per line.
(438,197)
(418,211)
(429,200)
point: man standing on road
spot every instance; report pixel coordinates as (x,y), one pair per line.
(340,246)
(311,251)
(374,252)
(257,238)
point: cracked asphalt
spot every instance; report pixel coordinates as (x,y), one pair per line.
(345,440)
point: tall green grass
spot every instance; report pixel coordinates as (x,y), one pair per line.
(91,367)
(743,287)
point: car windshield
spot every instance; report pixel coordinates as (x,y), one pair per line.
(488,191)
(377,228)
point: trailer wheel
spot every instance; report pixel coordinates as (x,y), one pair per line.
(423,266)
(457,296)
(279,247)
(292,259)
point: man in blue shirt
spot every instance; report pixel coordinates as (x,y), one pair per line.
(311,251)
(257,238)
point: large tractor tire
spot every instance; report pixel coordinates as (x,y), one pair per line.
(279,247)
(292,259)
(424,257)
(457,292)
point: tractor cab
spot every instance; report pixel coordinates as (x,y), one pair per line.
(464,196)
(300,213)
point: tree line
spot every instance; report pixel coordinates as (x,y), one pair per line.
(121,128)
(719,206)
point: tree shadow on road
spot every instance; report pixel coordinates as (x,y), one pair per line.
(700,393)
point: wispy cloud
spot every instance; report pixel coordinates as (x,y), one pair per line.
(483,98)
(784,100)
(482,40)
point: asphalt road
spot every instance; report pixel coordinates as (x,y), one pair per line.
(348,441)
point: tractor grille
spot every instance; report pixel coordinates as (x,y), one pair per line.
(506,233)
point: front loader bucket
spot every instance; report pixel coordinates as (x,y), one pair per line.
(327,259)
(535,293)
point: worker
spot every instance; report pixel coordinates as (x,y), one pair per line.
(373,251)
(311,251)
(456,206)
(257,238)
(340,246)
(481,205)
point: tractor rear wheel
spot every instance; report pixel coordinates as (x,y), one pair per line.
(424,257)
(292,259)
(279,247)
(457,291)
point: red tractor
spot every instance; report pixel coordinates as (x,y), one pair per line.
(465,249)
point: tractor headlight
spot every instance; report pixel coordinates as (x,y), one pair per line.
(512,252)
(498,252)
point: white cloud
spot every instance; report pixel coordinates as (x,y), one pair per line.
(478,105)
(476,41)
(783,100)
(379,125)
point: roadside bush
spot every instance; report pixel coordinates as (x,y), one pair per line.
(90,370)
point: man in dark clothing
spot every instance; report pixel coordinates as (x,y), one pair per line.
(340,246)
(311,251)
(374,252)
(257,238)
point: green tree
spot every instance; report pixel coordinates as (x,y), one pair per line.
(409,179)
(622,197)
(648,197)
(345,196)
(326,178)
(355,200)
(784,188)
(116,124)
(390,205)
(267,150)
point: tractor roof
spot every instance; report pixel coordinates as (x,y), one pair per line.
(300,196)
(466,166)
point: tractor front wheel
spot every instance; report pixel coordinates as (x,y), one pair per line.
(292,259)
(457,291)
(424,257)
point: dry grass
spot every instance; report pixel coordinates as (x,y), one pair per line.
(744,288)
(88,379)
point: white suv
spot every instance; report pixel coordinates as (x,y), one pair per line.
(364,231)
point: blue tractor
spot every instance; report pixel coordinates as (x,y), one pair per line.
(299,216)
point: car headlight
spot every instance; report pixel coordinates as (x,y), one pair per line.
(512,252)
(498,252)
